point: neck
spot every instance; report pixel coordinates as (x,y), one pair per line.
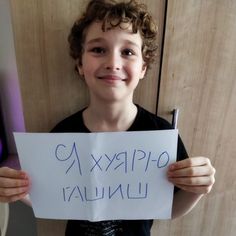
(110,117)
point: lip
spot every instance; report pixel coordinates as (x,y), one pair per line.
(111,78)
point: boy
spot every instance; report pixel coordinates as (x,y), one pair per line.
(113,45)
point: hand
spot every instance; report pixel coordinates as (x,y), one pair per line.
(195,175)
(14,184)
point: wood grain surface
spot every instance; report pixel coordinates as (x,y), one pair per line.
(198,77)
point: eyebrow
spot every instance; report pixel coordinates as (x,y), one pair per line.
(96,40)
(99,40)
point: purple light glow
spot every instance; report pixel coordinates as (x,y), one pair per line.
(10,97)
(11,107)
(14,102)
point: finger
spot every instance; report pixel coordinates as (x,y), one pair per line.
(11,173)
(189,162)
(13,198)
(193,181)
(192,171)
(9,183)
(8,192)
(195,189)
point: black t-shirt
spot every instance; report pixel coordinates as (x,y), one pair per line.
(144,121)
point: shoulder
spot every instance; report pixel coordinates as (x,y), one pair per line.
(73,123)
(146,120)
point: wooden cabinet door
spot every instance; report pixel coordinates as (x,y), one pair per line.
(198,77)
(49,86)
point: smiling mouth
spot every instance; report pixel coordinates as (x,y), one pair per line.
(111,78)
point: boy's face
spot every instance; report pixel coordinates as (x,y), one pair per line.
(112,62)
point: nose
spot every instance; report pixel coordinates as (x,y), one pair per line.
(113,61)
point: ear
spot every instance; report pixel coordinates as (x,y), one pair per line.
(80,69)
(143,71)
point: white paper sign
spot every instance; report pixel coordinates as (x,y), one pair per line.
(99,176)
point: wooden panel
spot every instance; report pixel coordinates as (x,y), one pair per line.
(50,88)
(198,76)
(146,92)
(51,227)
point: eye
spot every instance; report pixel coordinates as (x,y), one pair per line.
(128,52)
(98,50)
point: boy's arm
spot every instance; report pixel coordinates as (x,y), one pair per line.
(195,177)
(184,202)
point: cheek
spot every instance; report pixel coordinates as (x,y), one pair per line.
(89,65)
(137,70)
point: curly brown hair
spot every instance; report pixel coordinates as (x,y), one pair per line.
(113,14)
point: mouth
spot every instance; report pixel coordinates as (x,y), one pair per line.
(112,78)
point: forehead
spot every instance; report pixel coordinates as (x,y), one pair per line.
(118,33)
